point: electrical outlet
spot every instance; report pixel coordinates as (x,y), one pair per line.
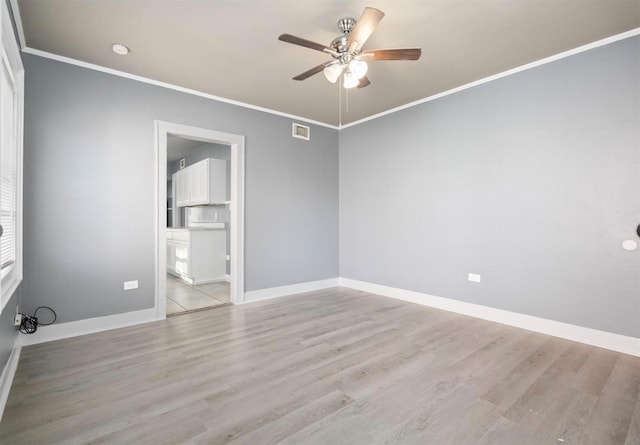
(128,285)
(474,277)
(18,318)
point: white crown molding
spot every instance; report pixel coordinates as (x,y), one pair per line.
(91,66)
(87,326)
(8,374)
(18,20)
(562,55)
(17,17)
(282,291)
(594,337)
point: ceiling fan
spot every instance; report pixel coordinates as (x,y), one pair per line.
(348,57)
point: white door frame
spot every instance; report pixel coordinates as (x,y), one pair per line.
(236,207)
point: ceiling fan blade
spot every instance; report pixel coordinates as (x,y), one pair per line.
(364,27)
(392,54)
(364,82)
(303,42)
(312,71)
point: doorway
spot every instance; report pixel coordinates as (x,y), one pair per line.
(169,214)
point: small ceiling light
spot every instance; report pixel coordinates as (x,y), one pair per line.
(333,71)
(358,68)
(120,49)
(350,80)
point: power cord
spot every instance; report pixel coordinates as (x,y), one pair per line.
(29,323)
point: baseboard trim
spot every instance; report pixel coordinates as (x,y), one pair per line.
(8,373)
(227,278)
(88,326)
(209,281)
(594,337)
(282,291)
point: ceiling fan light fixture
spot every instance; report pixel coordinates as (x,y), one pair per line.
(332,72)
(358,68)
(350,80)
(347,52)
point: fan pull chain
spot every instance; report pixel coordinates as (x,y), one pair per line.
(339,105)
(347,97)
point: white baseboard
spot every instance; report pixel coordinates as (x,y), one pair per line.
(99,324)
(275,292)
(209,280)
(227,278)
(6,379)
(594,337)
(87,326)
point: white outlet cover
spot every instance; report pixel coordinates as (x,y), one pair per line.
(629,245)
(474,277)
(128,285)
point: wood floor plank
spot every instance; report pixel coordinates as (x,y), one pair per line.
(567,420)
(335,366)
(507,391)
(291,423)
(594,373)
(609,421)
(633,434)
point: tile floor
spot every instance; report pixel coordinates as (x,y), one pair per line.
(183,297)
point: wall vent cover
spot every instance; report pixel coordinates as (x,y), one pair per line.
(300,131)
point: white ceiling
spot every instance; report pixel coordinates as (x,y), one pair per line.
(230,48)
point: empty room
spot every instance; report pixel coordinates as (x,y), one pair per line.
(320,222)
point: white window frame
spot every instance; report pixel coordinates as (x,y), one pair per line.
(10,57)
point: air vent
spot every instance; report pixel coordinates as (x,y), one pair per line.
(300,131)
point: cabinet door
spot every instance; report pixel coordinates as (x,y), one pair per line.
(171,256)
(199,179)
(182,258)
(183,188)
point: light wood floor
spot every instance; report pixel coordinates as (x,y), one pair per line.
(330,367)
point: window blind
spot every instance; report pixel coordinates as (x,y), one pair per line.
(8,167)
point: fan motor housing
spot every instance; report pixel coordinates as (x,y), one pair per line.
(345,25)
(339,44)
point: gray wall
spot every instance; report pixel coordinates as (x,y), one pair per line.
(200,152)
(89,190)
(532,181)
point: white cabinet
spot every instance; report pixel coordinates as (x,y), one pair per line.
(199,182)
(183,187)
(202,183)
(197,256)
(171,255)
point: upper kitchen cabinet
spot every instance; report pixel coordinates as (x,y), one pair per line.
(181,180)
(202,183)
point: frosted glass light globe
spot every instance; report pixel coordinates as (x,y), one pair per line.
(332,72)
(358,68)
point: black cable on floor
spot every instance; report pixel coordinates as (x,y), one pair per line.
(30,323)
